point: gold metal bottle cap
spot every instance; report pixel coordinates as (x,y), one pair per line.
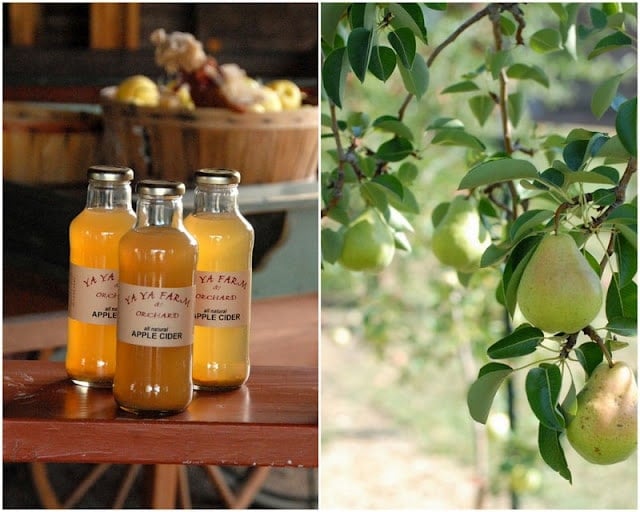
(160,188)
(217,177)
(110,173)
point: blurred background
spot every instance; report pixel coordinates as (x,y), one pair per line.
(400,349)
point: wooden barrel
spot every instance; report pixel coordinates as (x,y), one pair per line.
(46,143)
(172,144)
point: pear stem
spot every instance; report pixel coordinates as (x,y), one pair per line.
(590,331)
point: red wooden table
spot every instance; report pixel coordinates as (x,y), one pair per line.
(271,421)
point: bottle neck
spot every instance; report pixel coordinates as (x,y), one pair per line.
(216,199)
(109,195)
(159,212)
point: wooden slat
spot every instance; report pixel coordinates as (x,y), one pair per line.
(24,21)
(114,25)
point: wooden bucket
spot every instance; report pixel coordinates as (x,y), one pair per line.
(43,143)
(172,144)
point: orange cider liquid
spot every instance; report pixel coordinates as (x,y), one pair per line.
(155,379)
(221,354)
(91,348)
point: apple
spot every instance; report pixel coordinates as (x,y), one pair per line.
(139,90)
(288,92)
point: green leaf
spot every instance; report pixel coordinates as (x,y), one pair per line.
(613,151)
(627,258)
(375,195)
(457,137)
(528,222)
(498,60)
(438,213)
(382,62)
(589,356)
(542,385)
(359,47)
(445,122)
(392,183)
(464,86)
(481,107)
(546,40)
(604,95)
(626,125)
(626,213)
(516,104)
(621,301)
(507,26)
(496,171)
(589,177)
(394,150)
(517,262)
(482,392)
(630,234)
(401,241)
(393,125)
(553,177)
(403,42)
(407,173)
(623,326)
(334,74)
(331,15)
(331,242)
(521,342)
(409,203)
(362,15)
(551,451)
(410,16)
(493,254)
(609,173)
(598,18)
(397,220)
(525,72)
(574,153)
(416,78)
(609,43)
(569,405)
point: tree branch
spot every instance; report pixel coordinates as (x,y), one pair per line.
(438,49)
(590,331)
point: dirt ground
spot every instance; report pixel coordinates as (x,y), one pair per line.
(367,462)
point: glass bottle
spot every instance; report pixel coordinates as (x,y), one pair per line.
(156,304)
(223,282)
(94,235)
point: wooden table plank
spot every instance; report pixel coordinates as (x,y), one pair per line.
(271,421)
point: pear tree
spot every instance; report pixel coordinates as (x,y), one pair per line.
(554,215)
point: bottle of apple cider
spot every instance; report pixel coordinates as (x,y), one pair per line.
(94,236)
(223,282)
(156,305)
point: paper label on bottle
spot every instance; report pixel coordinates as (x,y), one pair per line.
(93,295)
(223,299)
(156,317)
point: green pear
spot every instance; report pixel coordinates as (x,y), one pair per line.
(369,244)
(559,291)
(456,240)
(604,429)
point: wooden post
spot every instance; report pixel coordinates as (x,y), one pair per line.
(115,25)
(24,21)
